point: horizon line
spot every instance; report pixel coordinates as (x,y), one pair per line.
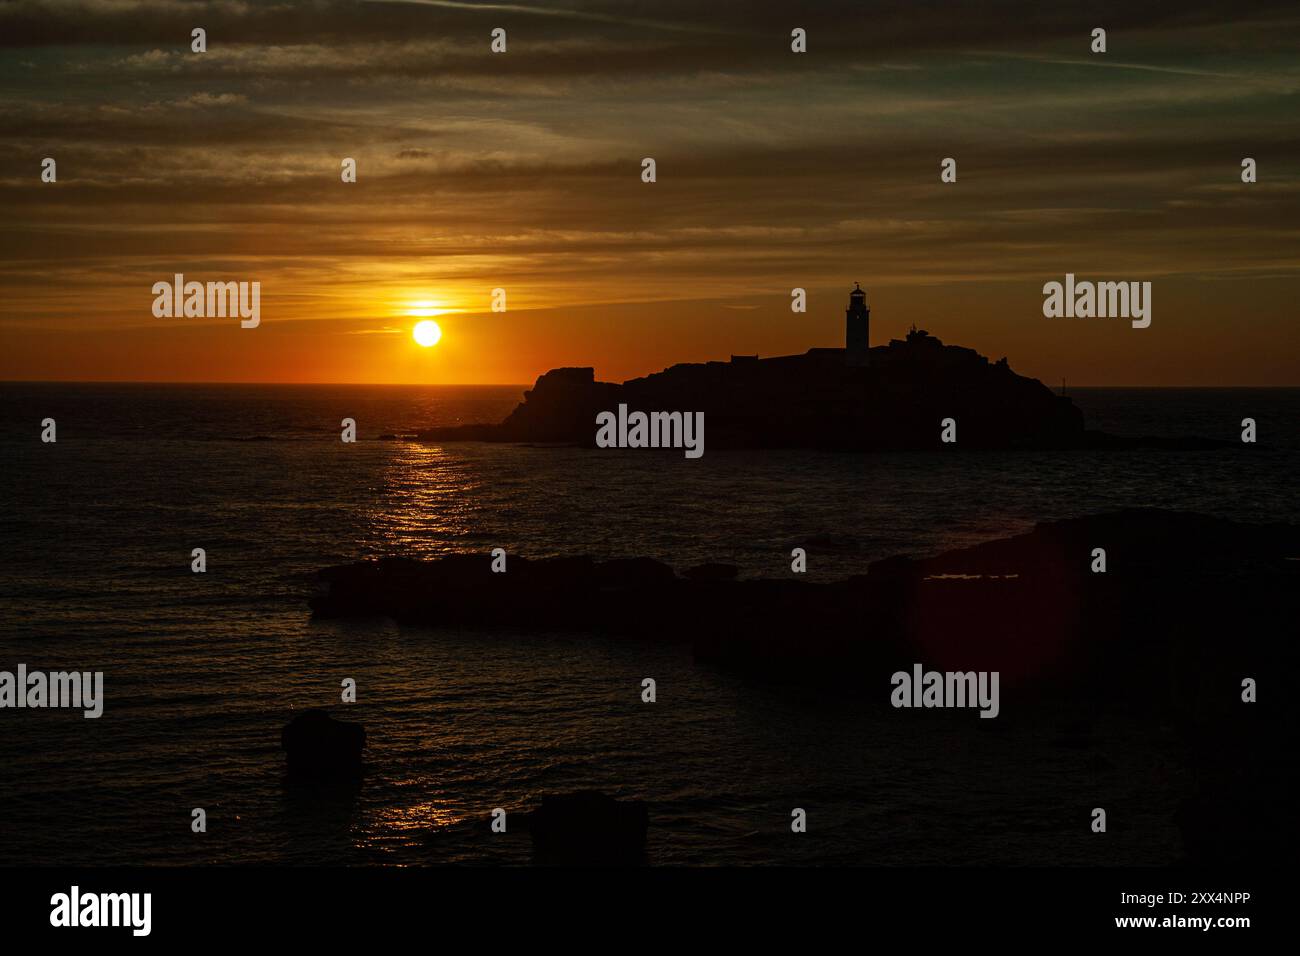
(114,381)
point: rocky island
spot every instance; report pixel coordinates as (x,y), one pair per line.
(894,396)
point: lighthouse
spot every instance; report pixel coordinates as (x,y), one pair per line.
(857,326)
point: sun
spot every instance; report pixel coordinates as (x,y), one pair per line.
(427,333)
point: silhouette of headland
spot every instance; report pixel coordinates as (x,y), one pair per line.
(857,398)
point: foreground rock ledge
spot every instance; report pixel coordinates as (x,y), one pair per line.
(1191,598)
(1155,647)
(588,828)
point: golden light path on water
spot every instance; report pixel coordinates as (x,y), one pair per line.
(428,497)
(391,828)
(423,499)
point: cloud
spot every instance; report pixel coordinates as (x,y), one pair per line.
(201,100)
(592,15)
(474,166)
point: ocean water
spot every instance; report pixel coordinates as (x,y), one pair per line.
(202,671)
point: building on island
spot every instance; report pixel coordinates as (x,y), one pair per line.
(891,397)
(857,328)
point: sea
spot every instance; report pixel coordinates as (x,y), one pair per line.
(201,671)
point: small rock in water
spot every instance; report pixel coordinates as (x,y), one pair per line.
(317,745)
(589,828)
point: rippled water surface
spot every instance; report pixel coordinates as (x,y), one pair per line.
(201,671)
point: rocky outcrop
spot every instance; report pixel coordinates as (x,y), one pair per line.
(577,592)
(588,828)
(1157,645)
(814,400)
(712,571)
(319,747)
(1176,585)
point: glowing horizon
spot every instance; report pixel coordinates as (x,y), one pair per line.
(521,171)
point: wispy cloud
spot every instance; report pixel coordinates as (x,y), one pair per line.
(591,16)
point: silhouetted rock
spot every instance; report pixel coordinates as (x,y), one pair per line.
(318,746)
(711,572)
(463,589)
(1159,643)
(588,828)
(1152,626)
(814,400)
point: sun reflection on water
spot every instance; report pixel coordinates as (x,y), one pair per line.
(427,503)
(392,828)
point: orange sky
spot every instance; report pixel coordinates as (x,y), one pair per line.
(633,339)
(522,171)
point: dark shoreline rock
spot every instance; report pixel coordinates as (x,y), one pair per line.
(1157,646)
(816,400)
(712,571)
(588,828)
(1028,606)
(317,746)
